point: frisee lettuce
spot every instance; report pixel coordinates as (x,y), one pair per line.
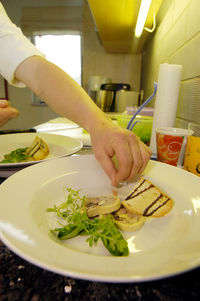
(76,222)
(17,155)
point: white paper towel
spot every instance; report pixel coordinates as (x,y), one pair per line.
(169,78)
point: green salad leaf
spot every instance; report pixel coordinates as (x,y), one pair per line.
(73,213)
(18,155)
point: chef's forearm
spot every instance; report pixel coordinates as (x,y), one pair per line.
(59,91)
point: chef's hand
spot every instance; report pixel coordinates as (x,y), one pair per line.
(6,111)
(132,154)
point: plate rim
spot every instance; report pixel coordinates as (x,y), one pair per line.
(89,276)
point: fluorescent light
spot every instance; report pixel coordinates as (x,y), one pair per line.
(144,8)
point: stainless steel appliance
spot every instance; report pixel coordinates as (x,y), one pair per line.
(94,83)
(107,95)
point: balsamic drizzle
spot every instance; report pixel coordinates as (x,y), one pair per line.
(152,212)
(130,195)
(145,213)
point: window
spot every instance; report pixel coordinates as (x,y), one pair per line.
(62,50)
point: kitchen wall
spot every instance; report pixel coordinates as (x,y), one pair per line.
(95,61)
(177,41)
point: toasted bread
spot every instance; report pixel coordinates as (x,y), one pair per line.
(127,221)
(147,200)
(38,150)
(101,205)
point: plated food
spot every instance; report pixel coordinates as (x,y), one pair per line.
(162,247)
(102,217)
(101,204)
(38,150)
(58,146)
(127,221)
(147,200)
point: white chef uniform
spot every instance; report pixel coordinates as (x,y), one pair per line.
(14,48)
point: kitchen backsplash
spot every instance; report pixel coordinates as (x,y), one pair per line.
(177,41)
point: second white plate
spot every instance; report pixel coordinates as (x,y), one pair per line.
(59,146)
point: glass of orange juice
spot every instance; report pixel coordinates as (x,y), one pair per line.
(192,153)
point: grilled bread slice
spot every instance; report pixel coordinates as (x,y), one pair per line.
(127,221)
(101,205)
(147,200)
(38,150)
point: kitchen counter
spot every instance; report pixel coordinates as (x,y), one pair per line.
(22,281)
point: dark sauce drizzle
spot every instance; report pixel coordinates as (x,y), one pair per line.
(130,195)
(145,213)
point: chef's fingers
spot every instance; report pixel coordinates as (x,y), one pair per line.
(129,166)
(116,157)
(146,155)
(132,158)
(123,163)
(128,160)
(6,114)
(124,147)
(108,165)
(141,155)
(3,103)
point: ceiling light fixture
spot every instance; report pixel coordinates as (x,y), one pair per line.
(144,8)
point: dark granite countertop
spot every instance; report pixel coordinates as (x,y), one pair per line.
(22,281)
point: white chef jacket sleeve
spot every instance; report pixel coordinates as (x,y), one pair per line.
(14,48)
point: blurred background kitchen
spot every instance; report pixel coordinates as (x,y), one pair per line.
(107,51)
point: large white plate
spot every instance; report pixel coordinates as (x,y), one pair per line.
(59,146)
(164,246)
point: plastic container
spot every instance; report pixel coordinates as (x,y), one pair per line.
(142,129)
(126,99)
(144,112)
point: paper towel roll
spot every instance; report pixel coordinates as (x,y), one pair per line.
(169,78)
